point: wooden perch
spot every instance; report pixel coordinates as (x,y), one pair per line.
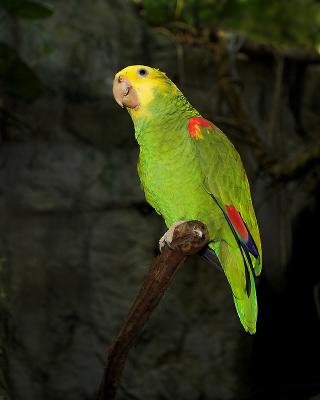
(189,238)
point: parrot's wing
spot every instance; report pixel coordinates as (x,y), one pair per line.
(225,180)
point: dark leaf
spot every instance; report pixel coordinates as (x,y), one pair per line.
(285,23)
(26,9)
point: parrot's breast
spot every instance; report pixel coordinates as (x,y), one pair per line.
(173,183)
(168,179)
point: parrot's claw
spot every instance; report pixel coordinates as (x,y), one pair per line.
(168,236)
(198,232)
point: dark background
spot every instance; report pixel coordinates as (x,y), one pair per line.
(76,235)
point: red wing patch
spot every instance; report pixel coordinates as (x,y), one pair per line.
(237,223)
(194,125)
(239,228)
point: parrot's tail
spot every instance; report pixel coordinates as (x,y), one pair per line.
(239,263)
(241,279)
(210,256)
(247,307)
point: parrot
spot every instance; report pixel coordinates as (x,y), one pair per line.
(189,170)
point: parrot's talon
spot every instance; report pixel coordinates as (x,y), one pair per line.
(169,245)
(198,232)
(166,239)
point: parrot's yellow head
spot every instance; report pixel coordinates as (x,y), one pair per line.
(136,86)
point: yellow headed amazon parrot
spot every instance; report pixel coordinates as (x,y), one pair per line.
(189,170)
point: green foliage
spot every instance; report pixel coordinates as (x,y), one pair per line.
(26,9)
(280,22)
(157,12)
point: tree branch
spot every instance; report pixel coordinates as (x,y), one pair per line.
(189,238)
(252,49)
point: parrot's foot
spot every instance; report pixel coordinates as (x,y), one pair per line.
(168,236)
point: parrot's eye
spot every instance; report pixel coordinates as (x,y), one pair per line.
(142,72)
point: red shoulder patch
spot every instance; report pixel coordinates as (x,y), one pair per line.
(194,125)
(237,222)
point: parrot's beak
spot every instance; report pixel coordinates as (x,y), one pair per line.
(124,93)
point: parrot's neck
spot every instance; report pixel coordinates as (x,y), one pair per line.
(165,120)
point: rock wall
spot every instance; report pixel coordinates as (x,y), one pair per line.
(76,236)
